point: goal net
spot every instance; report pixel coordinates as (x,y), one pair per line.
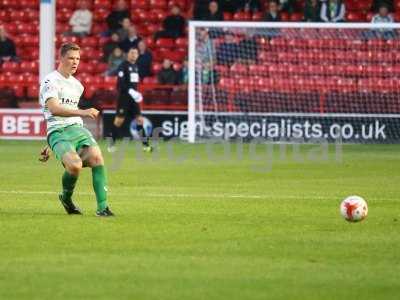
(303,81)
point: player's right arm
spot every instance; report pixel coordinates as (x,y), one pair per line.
(58,110)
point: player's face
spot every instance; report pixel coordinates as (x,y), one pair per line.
(133,55)
(70,61)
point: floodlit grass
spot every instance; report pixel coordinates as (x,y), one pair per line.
(195,223)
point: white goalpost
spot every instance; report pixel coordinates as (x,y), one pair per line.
(283,81)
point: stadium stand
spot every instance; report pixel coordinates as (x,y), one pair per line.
(21,20)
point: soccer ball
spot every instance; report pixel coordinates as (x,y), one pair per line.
(354,209)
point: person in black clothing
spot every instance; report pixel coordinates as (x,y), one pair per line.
(273,12)
(312,11)
(109,47)
(128,101)
(248,6)
(200,9)
(227,51)
(174,25)
(214,13)
(115,18)
(7,47)
(167,74)
(131,41)
(144,61)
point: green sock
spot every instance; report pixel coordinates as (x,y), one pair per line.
(68,183)
(100,186)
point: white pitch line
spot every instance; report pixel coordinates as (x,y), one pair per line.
(178,195)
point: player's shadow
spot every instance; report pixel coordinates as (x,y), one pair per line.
(28,213)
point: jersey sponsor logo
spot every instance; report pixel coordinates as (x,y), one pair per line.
(69,101)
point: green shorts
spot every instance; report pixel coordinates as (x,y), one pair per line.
(69,139)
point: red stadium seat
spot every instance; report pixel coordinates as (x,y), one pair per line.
(10,66)
(100,15)
(140,15)
(62,27)
(181,3)
(87,68)
(239,69)
(242,16)
(296,17)
(66,4)
(222,70)
(227,84)
(158,16)
(33,91)
(31,4)
(158,4)
(150,80)
(153,28)
(98,28)
(181,42)
(165,43)
(177,66)
(156,67)
(285,17)
(29,67)
(89,42)
(259,69)
(101,68)
(227,16)
(257,16)
(30,40)
(4,16)
(63,15)
(142,4)
(27,28)
(150,42)
(17,16)
(102,4)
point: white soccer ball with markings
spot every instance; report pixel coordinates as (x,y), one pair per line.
(354,209)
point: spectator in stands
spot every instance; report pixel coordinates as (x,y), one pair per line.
(114,60)
(249,6)
(333,11)
(109,47)
(131,41)
(377,3)
(81,20)
(206,51)
(123,32)
(184,73)
(167,74)
(287,5)
(208,75)
(383,16)
(173,24)
(200,9)
(312,11)
(248,50)
(7,47)
(273,12)
(144,61)
(228,50)
(116,16)
(213,13)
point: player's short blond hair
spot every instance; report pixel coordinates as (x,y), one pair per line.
(67,47)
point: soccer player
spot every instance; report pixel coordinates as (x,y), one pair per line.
(69,140)
(128,101)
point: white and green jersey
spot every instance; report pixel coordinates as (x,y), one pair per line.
(68,91)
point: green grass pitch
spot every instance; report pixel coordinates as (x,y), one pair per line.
(193,223)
